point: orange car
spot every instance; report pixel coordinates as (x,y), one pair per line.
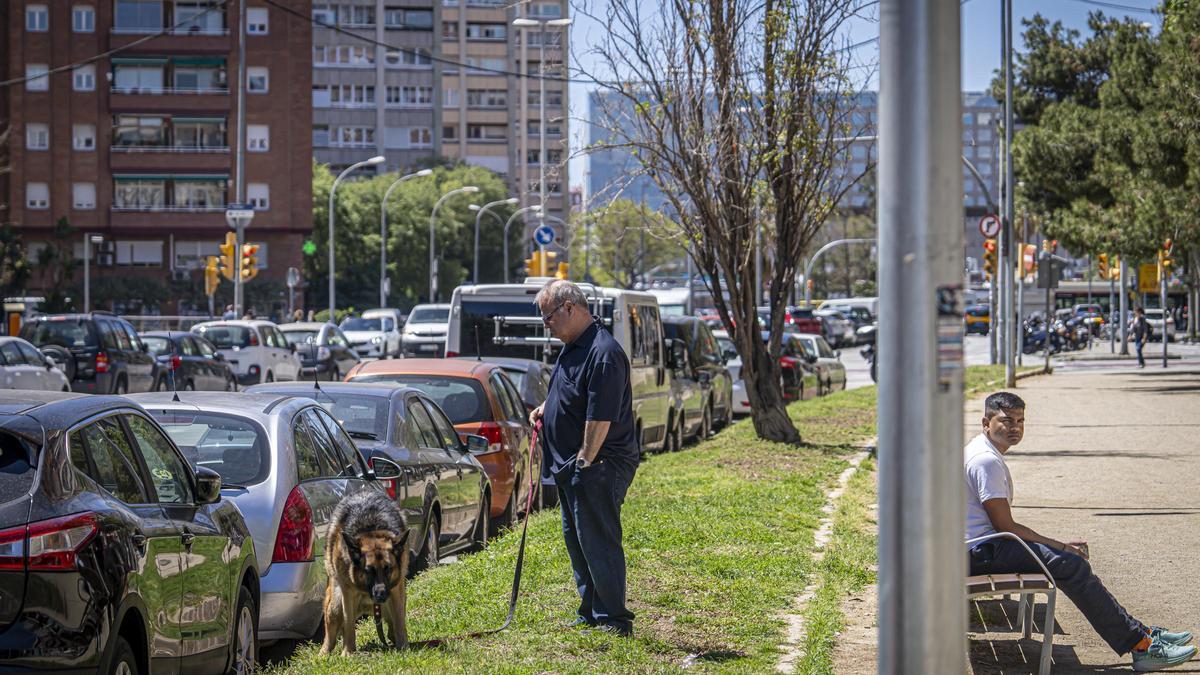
(479,399)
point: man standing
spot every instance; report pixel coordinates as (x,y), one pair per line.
(989,510)
(1140,329)
(593,451)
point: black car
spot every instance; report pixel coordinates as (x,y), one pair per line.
(531,377)
(99,352)
(187,362)
(115,556)
(706,365)
(415,451)
(324,351)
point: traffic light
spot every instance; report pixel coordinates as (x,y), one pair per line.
(1102,264)
(212,275)
(562,271)
(1164,257)
(249,261)
(533,264)
(989,258)
(1114,268)
(227,262)
(548,263)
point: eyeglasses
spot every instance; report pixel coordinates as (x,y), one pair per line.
(546,317)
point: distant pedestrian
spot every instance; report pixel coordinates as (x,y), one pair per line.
(229,314)
(1139,328)
(312,315)
(298,315)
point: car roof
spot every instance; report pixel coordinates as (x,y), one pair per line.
(300,388)
(52,410)
(372,313)
(681,319)
(173,334)
(439,305)
(237,403)
(244,323)
(453,367)
(510,361)
(303,325)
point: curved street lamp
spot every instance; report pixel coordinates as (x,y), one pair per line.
(466,189)
(527,209)
(383,233)
(377,159)
(511,201)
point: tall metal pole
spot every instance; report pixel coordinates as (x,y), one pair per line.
(383,234)
(821,251)
(1010,375)
(922,608)
(479,214)
(1162,303)
(433,267)
(1112,333)
(1124,299)
(1018,339)
(239,188)
(378,159)
(518,212)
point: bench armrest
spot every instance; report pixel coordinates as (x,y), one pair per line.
(1009,535)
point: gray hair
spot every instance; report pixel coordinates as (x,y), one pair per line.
(558,291)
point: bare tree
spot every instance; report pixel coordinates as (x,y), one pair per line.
(740,111)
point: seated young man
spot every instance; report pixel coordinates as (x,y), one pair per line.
(989,510)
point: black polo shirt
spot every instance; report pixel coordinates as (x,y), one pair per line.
(590,382)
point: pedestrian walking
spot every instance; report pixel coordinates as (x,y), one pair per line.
(989,510)
(592,451)
(1139,328)
(298,315)
(229,313)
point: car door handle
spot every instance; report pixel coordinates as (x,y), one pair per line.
(187,538)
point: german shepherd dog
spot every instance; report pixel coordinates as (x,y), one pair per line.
(366,559)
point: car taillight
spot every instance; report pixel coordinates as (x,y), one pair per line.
(451,355)
(253,339)
(294,541)
(101,362)
(47,545)
(389,484)
(176,361)
(493,433)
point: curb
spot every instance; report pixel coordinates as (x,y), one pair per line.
(1020,376)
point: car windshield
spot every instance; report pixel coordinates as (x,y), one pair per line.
(357,323)
(807,347)
(300,337)
(727,345)
(70,333)
(233,446)
(158,346)
(429,315)
(462,399)
(227,337)
(363,417)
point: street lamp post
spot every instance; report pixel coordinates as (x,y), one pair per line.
(466,189)
(542,24)
(511,201)
(88,240)
(378,159)
(527,209)
(383,290)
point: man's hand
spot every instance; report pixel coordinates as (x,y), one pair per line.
(1079,548)
(535,415)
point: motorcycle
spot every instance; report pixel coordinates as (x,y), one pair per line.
(1035,334)
(867,334)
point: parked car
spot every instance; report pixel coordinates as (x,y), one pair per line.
(115,555)
(285,463)
(324,351)
(99,352)
(977,319)
(1154,317)
(255,349)
(861,311)
(733,363)
(826,361)
(23,366)
(706,365)
(531,378)
(188,362)
(378,333)
(425,331)
(479,399)
(804,321)
(433,474)
(839,331)
(800,381)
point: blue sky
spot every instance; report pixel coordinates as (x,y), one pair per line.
(980,44)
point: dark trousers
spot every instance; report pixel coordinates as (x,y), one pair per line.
(1138,344)
(591,517)
(1073,575)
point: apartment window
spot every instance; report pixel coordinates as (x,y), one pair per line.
(259,195)
(196,17)
(547,10)
(130,78)
(83,196)
(487,132)
(257,79)
(37,18)
(139,131)
(139,253)
(320,135)
(984,152)
(540,38)
(552,128)
(198,77)
(449,97)
(199,193)
(84,78)
(420,137)
(199,133)
(37,136)
(487,98)
(83,137)
(417,19)
(323,14)
(346,55)
(449,30)
(450,132)
(486,31)
(258,137)
(139,194)
(83,19)
(38,78)
(37,196)
(486,64)
(355,136)
(359,16)
(351,95)
(552,98)
(410,96)
(138,15)
(256,20)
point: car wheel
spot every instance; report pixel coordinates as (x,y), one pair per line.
(190,386)
(479,535)
(334,375)
(706,422)
(124,662)
(122,387)
(430,554)
(270,376)
(229,384)
(509,516)
(674,440)
(160,384)
(244,656)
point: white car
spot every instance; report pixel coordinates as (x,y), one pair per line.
(828,365)
(255,349)
(375,334)
(1154,317)
(23,366)
(741,402)
(425,331)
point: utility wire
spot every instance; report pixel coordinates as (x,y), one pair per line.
(1113,5)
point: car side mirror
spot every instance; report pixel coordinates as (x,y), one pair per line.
(385,468)
(729,356)
(219,356)
(476,444)
(838,353)
(208,486)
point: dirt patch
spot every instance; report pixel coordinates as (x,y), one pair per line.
(857,643)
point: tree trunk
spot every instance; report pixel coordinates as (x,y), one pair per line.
(770,417)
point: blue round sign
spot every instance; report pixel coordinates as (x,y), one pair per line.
(544,235)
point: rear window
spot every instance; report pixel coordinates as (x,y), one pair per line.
(234,447)
(16,473)
(69,333)
(159,346)
(426,315)
(977,311)
(300,337)
(462,399)
(362,324)
(228,337)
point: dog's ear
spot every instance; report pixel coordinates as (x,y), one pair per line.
(399,541)
(351,545)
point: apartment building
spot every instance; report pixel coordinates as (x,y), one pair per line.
(418,80)
(139,148)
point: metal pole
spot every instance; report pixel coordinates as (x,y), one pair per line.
(239,188)
(1049,326)
(542,121)
(433,237)
(87,273)
(1124,300)
(1010,375)
(821,251)
(508,222)
(758,265)
(383,233)
(1112,333)
(1019,321)
(484,209)
(1162,303)
(378,159)
(922,608)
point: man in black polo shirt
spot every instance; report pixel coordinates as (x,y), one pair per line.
(593,451)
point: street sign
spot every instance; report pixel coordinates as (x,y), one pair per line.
(238,216)
(1148,278)
(544,235)
(293,277)
(989,226)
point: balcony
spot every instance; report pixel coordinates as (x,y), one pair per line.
(168,91)
(171,149)
(163,208)
(189,31)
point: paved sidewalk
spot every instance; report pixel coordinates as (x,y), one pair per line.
(1109,458)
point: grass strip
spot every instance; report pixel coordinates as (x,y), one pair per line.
(977,378)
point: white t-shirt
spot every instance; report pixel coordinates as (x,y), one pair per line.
(987,478)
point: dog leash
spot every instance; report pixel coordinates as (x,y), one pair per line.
(534,485)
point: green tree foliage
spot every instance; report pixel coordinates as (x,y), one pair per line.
(620,241)
(409,206)
(57,265)
(14,266)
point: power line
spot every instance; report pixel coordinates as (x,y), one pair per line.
(116,50)
(1113,5)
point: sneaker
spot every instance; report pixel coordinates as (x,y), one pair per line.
(1178,639)
(1161,655)
(617,631)
(580,621)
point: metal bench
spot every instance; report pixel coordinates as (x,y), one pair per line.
(1024,585)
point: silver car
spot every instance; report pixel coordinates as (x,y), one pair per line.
(286,463)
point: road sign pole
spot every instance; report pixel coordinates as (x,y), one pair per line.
(238,217)
(1123,296)
(1162,303)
